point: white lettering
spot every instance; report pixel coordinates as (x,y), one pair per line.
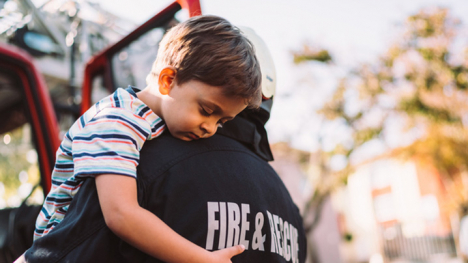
(281,234)
(213,224)
(296,245)
(284,238)
(245,226)
(286,248)
(258,238)
(233,226)
(293,244)
(222,228)
(273,235)
(276,219)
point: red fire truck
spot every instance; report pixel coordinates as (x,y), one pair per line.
(25,102)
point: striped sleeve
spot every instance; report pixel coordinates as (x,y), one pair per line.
(110,143)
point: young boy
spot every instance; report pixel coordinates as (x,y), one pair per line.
(204,75)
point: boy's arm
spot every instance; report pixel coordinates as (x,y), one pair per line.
(144,230)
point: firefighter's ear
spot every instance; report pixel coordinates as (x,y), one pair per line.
(166,80)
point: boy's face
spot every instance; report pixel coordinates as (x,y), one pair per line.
(194,110)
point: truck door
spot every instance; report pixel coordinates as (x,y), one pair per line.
(29,139)
(29,133)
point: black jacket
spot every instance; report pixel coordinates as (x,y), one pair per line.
(216,192)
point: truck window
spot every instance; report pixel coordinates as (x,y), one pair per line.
(132,64)
(19,170)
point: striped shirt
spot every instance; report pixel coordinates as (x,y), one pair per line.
(106,139)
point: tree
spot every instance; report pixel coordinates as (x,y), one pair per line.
(411,102)
(421,81)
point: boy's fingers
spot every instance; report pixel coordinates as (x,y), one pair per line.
(235,250)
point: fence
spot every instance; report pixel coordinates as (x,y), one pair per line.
(418,248)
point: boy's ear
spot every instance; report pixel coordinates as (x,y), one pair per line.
(166,79)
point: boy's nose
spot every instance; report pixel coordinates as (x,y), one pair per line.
(209,128)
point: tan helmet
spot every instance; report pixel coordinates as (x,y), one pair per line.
(267,66)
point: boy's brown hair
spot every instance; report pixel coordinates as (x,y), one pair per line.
(211,50)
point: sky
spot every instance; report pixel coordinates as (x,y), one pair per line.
(353,31)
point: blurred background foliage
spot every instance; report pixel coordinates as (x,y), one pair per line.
(411,103)
(19,171)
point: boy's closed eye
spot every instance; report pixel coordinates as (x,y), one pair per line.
(205,110)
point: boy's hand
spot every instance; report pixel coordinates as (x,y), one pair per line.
(225,255)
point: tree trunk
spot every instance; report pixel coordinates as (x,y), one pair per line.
(312,215)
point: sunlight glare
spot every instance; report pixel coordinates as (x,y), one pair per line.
(7,139)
